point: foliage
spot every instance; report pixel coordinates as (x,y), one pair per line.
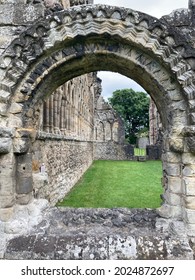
(143,132)
(109,184)
(133,107)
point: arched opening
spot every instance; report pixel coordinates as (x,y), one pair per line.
(107,133)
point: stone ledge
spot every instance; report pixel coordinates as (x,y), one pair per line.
(98,234)
(41,135)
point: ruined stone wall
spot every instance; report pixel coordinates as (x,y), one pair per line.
(75,126)
(64,161)
(109,150)
(109,134)
(154,123)
(64,142)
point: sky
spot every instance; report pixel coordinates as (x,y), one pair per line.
(156,8)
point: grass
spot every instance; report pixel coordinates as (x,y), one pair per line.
(139,152)
(110,184)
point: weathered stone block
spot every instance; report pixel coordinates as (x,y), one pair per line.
(176,144)
(24,244)
(6,14)
(192,118)
(188,158)
(79,247)
(172,157)
(6,214)
(7,184)
(175,95)
(7,170)
(151,247)
(15,108)
(191,144)
(23,14)
(24,199)
(7,201)
(175,184)
(190,229)
(24,164)
(3,110)
(40,181)
(5,145)
(6,132)
(172,169)
(21,145)
(168,211)
(172,198)
(188,185)
(189,202)
(24,185)
(7,34)
(122,248)
(189,215)
(14,122)
(178,249)
(189,170)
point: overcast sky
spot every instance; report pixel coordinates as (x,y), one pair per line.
(157,8)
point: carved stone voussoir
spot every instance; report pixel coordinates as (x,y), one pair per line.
(5,145)
(191,144)
(176,144)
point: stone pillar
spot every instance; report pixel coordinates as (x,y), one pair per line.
(56,111)
(7,173)
(51,111)
(63,116)
(7,185)
(155,123)
(46,115)
(188,188)
(172,183)
(24,182)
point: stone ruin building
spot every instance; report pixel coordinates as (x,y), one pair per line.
(53,120)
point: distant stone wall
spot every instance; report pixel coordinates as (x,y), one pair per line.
(109,134)
(142,142)
(155,125)
(112,151)
(64,161)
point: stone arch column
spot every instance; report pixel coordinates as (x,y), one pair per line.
(139,47)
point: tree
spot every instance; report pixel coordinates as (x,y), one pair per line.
(133,107)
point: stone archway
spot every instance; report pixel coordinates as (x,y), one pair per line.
(80,40)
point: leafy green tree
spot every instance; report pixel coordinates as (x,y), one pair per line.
(133,107)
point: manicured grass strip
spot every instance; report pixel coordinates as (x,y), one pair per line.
(139,152)
(109,184)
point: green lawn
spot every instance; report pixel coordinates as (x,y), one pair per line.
(109,184)
(139,152)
